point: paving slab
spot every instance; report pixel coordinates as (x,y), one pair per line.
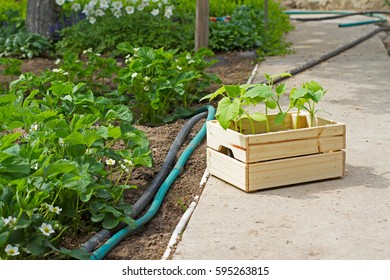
(347,218)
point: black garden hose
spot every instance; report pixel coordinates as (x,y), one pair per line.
(331,54)
(154,186)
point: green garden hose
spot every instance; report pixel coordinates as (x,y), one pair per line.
(101,252)
(341,14)
(147,197)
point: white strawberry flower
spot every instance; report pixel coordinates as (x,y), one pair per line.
(46,229)
(12,250)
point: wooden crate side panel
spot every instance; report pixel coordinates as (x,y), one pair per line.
(292,148)
(296,170)
(292,135)
(291,143)
(217,138)
(276,145)
(228,169)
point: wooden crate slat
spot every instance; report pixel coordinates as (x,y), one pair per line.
(280,144)
(236,142)
(291,148)
(276,173)
(228,169)
(296,170)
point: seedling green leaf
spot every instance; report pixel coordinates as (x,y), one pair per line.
(271,104)
(232,91)
(259,117)
(227,111)
(279,119)
(232,108)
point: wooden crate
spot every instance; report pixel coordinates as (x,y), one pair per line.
(281,157)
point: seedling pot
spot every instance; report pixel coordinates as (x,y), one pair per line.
(291,153)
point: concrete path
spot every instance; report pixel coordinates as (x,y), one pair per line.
(346,218)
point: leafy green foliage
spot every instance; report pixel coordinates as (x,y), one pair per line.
(15,10)
(14,40)
(9,67)
(66,158)
(232,107)
(220,8)
(139,29)
(161,81)
(23,45)
(306,97)
(246,31)
(159,85)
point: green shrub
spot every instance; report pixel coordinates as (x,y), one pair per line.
(139,29)
(19,6)
(246,30)
(220,8)
(16,42)
(23,45)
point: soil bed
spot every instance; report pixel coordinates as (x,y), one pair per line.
(150,242)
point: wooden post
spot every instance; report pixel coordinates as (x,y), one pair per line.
(202,24)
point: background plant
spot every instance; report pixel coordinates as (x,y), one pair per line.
(6,6)
(95,9)
(160,82)
(9,67)
(139,29)
(23,45)
(245,32)
(102,25)
(15,41)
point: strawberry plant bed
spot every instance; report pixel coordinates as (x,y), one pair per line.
(149,243)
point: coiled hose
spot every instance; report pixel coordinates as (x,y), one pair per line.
(331,54)
(161,191)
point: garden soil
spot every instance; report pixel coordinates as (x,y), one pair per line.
(150,242)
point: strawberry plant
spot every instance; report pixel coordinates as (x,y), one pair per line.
(159,81)
(65,161)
